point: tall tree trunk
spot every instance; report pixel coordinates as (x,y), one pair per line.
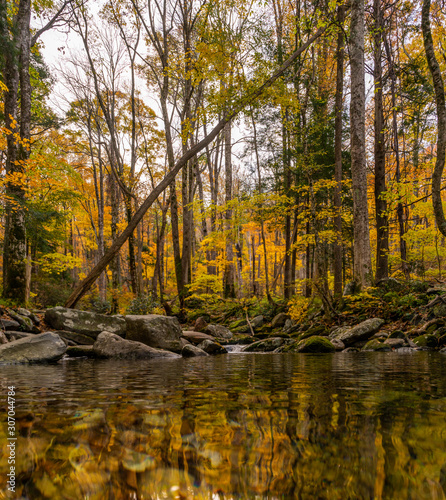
(434,68)
(382,232)
(337,249)
(17,51)
(362,259)
(229,271)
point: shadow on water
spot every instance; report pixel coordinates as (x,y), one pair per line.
(342,426)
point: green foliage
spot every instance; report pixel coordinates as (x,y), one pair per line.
(143,304)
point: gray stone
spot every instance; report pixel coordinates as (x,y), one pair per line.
(25,322)
(42,348)
(162,332)
(257,322)
(212,347)
(363,331)
(279,320)
(192,351)
(109,345)
(24,312)
(11,335)
(76,338)
(81,351)
(87,323)
(266,345)
(218,331)
(395,343)
(338,331)
(338,344)
(3,339)
(200,324)
(9,324)
(196,337)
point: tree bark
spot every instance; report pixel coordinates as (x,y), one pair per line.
(434,68)
(337,248)
(382,232)
(362,258)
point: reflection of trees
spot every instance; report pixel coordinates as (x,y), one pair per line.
(295,426)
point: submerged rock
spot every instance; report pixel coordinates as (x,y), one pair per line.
(87,323)
(154,330)
(109,345)
(41,348)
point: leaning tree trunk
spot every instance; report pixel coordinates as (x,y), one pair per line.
(441,117)
(362,260)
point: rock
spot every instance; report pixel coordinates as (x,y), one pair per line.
(87,323)
(404,350)
(42,348)
(257,322)
(279,320)
(314,331)
(338,344)
(397,334)
(390,284)
(196,337)
(218,331)
(351,349)
(238,325)
(77,338)
(200,324)
(3,339)
(426,340)
(81,351)
(338,331)
(24,312)
(376,345)
(212,347)
(266,345)
(315,344)
(363,331)
(25,322)
(162,332)
(191,351)
(395,343)
(110,345)
(16,335)
(9,324)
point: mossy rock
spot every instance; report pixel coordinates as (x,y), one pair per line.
(397,334)
(426,340)
(376,345)
(235,325)
(315,344)
(279,335)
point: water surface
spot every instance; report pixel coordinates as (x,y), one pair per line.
(341,426)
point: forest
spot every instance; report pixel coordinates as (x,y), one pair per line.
(178,153)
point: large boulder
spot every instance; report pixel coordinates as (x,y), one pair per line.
(41,348)
(87,323)
(218,331)
(363,331)
(109,345)
(162,332)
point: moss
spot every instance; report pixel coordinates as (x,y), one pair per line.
(315,344)
(426,340)
(237,324)
(376,345)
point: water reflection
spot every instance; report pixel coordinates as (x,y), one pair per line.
(343,426)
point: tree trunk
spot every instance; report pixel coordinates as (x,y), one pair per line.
(382,233)
(229,274)
(434,68)
(362,258)
(337,249)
